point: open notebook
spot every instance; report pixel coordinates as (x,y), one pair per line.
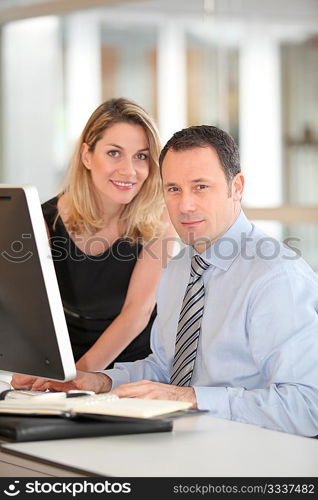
(97,404)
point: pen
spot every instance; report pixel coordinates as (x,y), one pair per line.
(26,394)
(75,393)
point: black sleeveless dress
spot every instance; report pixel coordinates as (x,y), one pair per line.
(93,288)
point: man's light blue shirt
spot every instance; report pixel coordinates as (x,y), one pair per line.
(257,359)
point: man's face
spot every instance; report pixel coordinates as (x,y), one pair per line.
(200,204)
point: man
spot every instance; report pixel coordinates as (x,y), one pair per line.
(238,337)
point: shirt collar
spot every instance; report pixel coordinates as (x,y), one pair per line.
(224,251)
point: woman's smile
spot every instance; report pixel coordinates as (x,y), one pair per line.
(123,186)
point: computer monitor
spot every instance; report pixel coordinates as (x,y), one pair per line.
(34,339)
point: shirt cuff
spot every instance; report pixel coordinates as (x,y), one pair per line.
(117,377)
(214,399)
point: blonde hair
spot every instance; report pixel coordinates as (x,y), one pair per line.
(140,219)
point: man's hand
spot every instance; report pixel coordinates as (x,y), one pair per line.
(86,381)
(155,390)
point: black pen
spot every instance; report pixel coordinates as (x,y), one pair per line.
(74,393)
(27,394)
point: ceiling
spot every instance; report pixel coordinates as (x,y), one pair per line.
(268,10)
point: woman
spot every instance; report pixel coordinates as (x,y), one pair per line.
(106,231)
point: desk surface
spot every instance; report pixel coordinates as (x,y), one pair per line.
(199,446)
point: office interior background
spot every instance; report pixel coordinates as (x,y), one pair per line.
(247,66)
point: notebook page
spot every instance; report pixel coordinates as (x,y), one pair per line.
(132,407)
(110,404)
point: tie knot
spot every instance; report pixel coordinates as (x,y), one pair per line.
(198,266)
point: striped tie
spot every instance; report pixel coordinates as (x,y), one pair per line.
(189,325)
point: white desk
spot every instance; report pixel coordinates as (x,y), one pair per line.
(199,446)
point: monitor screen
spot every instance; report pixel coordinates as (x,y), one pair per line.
(34,338)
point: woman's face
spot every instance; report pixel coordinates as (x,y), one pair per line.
(119,164)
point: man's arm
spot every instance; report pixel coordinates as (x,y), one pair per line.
(282,330)
(145,389)
(97,382)
(282,334)
(153,367)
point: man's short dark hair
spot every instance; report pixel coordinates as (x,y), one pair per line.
(206,135)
